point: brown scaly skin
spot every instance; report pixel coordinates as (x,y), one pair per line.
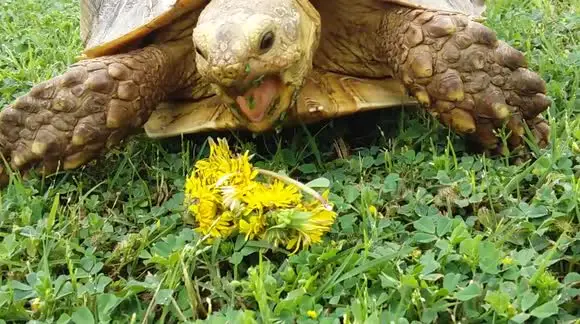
(71,119)
(464,76)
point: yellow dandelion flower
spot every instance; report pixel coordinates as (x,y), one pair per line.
(209,218)
(274,195)
(312,314)
(203,199)
(221,150)
(224,197)
(225,226)
(318,224)
(254,227)
(311,229)
(203,203)
(223,168)
(210,221)
(233,194)
(193,187)
(231,198)
(300,228)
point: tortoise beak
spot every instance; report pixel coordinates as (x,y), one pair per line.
(259,102)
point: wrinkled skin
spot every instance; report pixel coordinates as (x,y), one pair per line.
(455,67)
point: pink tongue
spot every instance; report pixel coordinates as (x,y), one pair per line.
(262,99)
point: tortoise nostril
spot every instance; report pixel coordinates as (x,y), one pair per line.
(267,41)
(234,71)
(216,74)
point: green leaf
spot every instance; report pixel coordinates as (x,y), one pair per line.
(443,225)
(351,193)
(489,257)
(469,248)
(65,289)
(443,178)
(572,278)
(425,238)
(432,277)
(462,203)
(319,183)
(52,215)
(5,298)
(102,283)
(368,161)
(409,281)
(347,223)
(469,292)
(546,310)
(525,256)
(533,212)
(364,267)
(106,303)
(164,296)
(63,319)
(520,318)
(13,284)
(528,300)
(450,281)
(426,211)
(83,316)
(429,263)
(237,257)
(498,300)
(307,168)
(387,281)
(391,182)
(425,224)
(428,316)
(459,234)
(8,246)
(477,198)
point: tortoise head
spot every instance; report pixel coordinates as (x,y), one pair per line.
(256,54)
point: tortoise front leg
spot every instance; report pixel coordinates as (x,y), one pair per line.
(74,117)
(472,82)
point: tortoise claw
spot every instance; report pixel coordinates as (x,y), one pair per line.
(77,159)
(474,83)
(68,120)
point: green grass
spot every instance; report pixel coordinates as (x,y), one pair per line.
(456,237)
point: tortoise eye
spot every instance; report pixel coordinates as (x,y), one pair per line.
(267,41)
(200,52)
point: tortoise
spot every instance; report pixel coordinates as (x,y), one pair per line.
(185,66)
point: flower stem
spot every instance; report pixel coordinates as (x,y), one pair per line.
(298,184)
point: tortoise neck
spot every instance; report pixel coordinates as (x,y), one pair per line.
(350,42)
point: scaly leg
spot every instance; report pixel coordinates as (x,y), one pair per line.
(71,119)
(465,76)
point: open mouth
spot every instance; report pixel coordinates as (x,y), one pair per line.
(257,98)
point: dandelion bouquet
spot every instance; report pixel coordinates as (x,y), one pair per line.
(225,197)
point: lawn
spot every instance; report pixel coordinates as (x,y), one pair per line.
(426,231)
